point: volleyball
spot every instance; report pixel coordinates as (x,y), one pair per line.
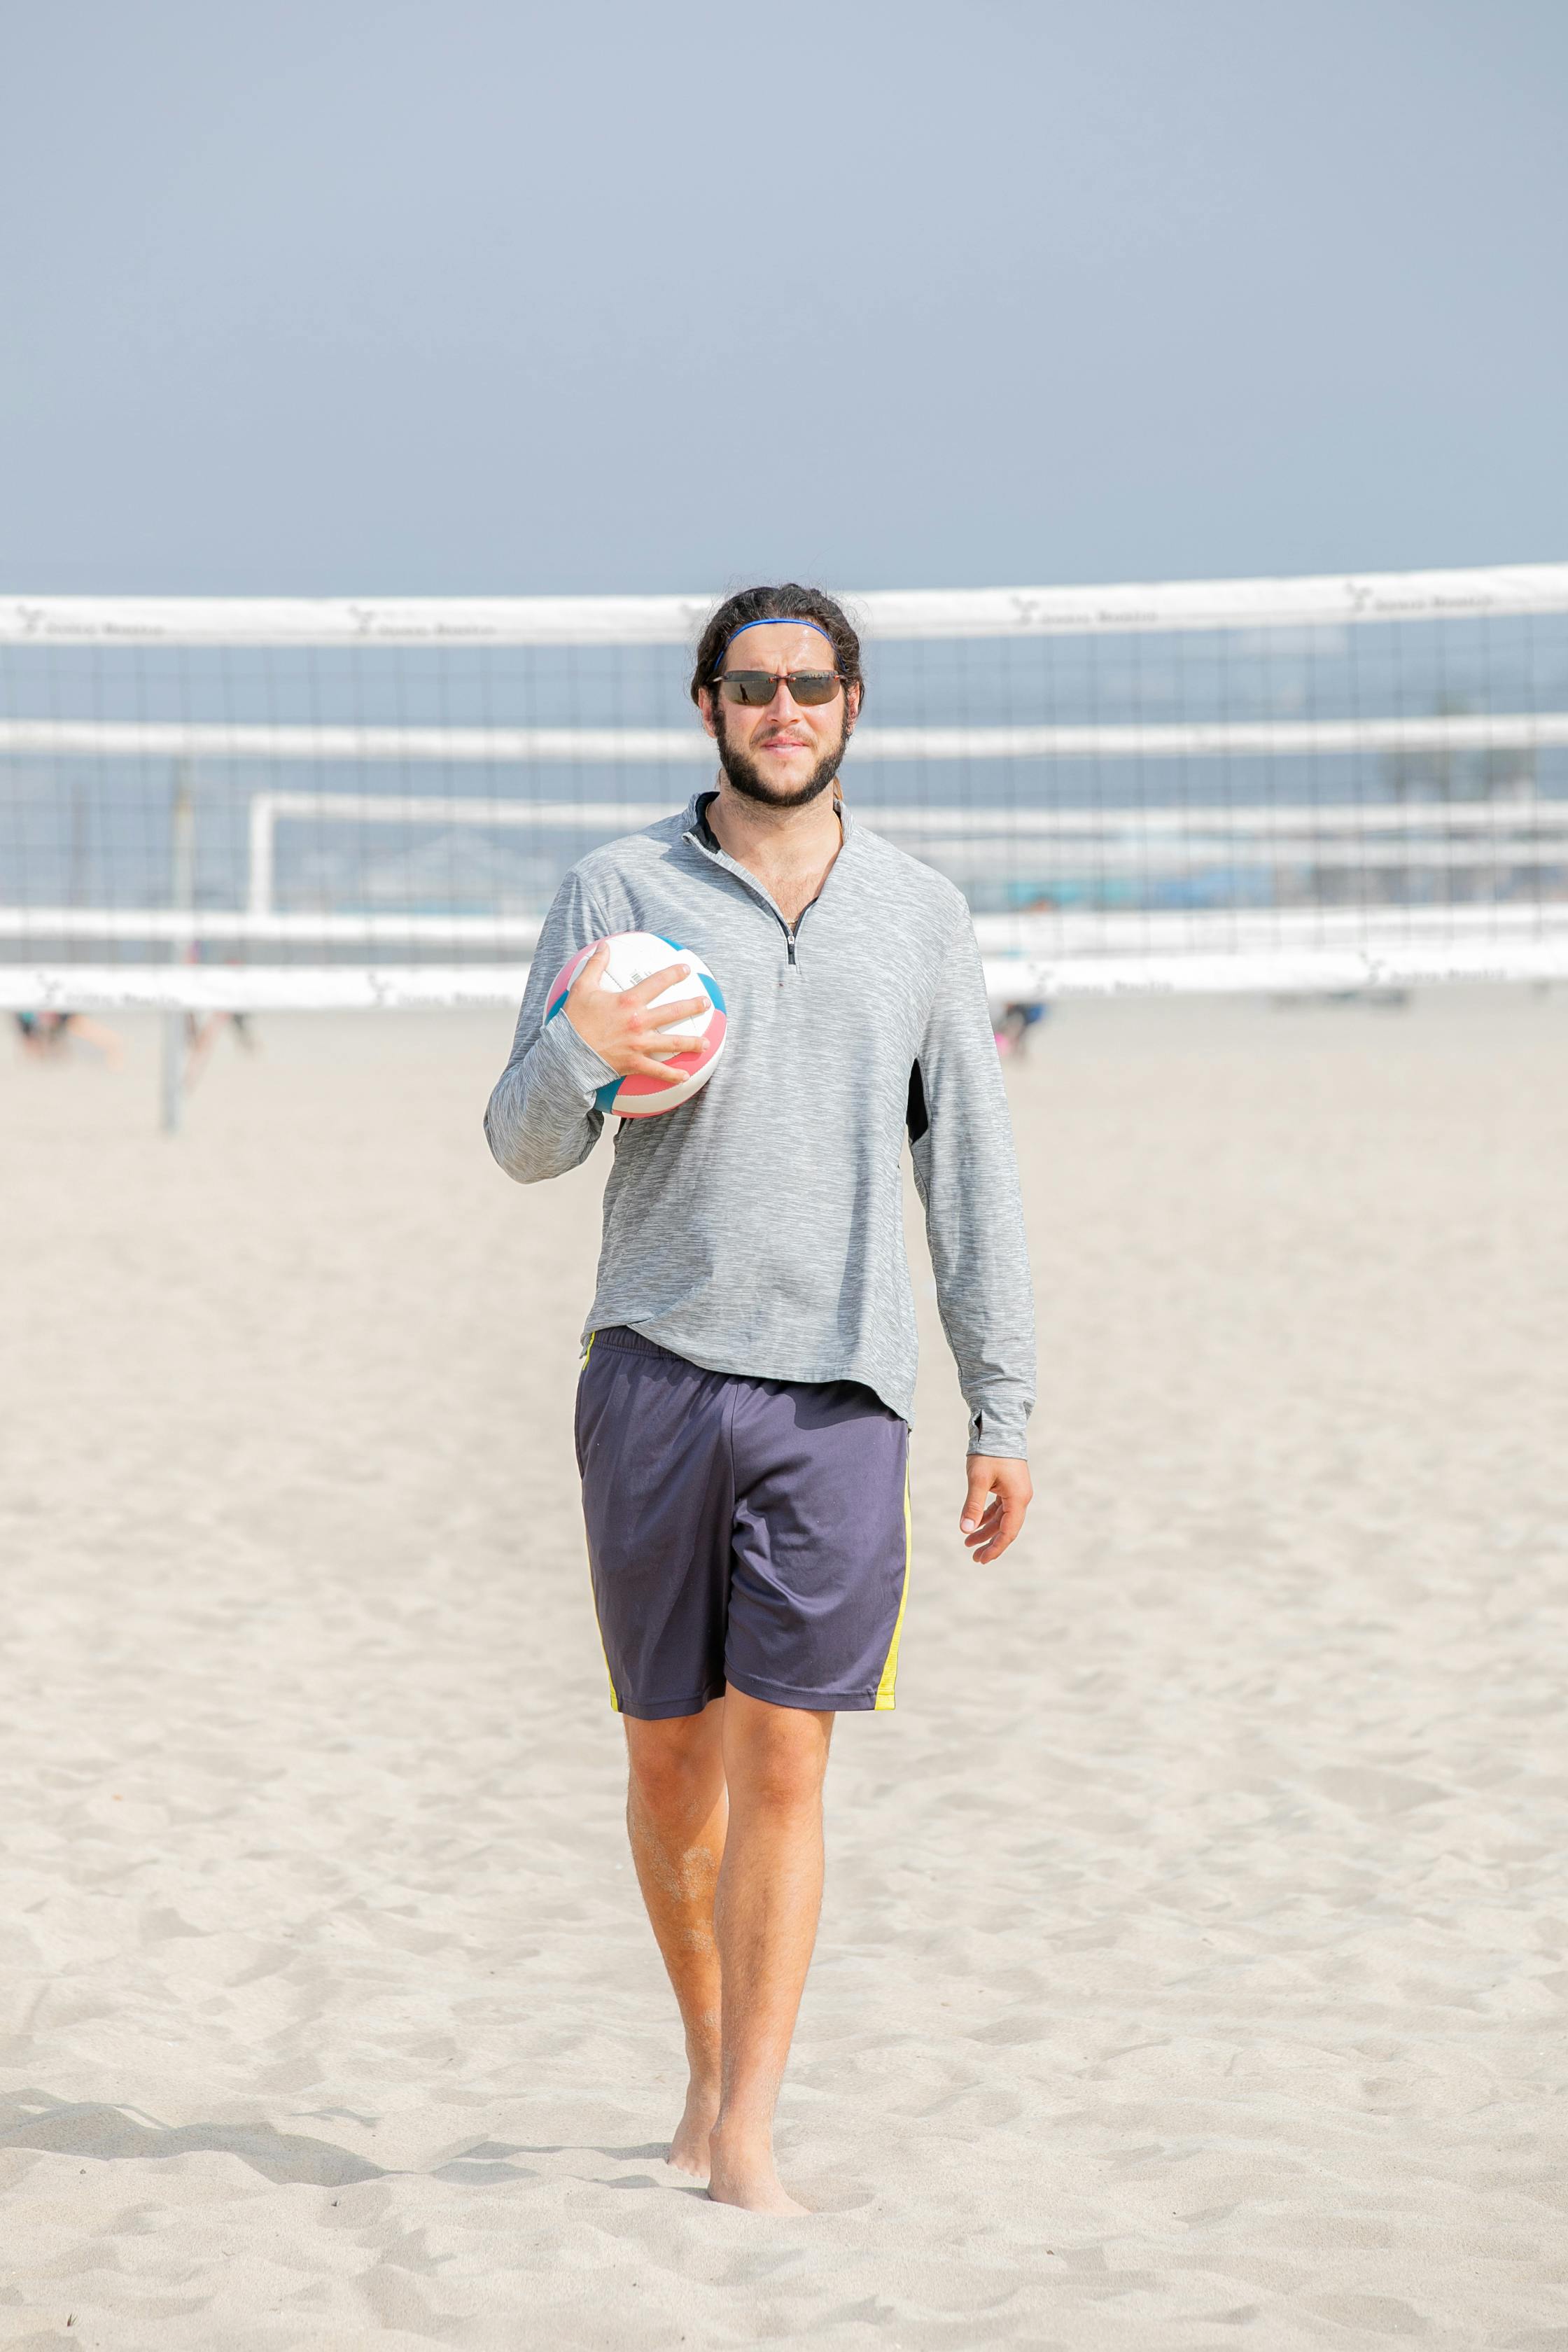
(634,956)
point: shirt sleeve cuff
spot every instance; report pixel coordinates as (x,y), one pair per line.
(584,1069)
(999,1435)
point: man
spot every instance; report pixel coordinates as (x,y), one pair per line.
(743,1412)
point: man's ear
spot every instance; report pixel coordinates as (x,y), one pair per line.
(705,705)
(851,707)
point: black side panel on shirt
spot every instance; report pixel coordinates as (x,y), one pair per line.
(917,1115)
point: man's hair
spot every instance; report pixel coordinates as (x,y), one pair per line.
(789,602)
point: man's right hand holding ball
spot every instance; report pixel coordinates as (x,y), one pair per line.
(623,1025)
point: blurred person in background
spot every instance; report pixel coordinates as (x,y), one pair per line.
(45,1035)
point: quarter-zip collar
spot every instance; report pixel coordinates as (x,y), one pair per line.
(700,835)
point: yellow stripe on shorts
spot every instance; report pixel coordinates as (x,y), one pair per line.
(891,1670)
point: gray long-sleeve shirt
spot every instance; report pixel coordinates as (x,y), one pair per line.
(758,1228)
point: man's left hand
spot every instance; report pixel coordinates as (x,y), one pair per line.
(1000,1492)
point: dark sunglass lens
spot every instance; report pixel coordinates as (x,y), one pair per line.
(810,686)
(750,686)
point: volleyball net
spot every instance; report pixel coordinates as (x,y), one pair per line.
(1275,785)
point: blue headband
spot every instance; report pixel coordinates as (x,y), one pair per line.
(773,621)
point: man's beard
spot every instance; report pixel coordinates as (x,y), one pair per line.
(746,777)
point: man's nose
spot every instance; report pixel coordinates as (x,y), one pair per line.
(784,704)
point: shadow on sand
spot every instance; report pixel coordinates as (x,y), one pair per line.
(33,2119)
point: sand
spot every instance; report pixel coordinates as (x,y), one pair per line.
(1193,1966)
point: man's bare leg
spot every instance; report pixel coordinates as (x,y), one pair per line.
(769,1898)
(675,1812)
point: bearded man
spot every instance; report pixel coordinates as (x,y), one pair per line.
(747,1382)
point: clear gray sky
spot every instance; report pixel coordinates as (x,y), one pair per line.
(333,296)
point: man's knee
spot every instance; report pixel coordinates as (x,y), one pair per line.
(775,1758)
(675,1765)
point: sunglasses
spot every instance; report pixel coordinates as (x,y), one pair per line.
(757,688)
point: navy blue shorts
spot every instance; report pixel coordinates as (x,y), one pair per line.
(745,1531)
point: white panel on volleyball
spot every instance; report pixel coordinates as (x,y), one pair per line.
(1256,785)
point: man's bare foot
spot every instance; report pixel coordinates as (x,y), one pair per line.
(748,2178)
(688,2148)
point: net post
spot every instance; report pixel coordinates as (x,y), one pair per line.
(182,898)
